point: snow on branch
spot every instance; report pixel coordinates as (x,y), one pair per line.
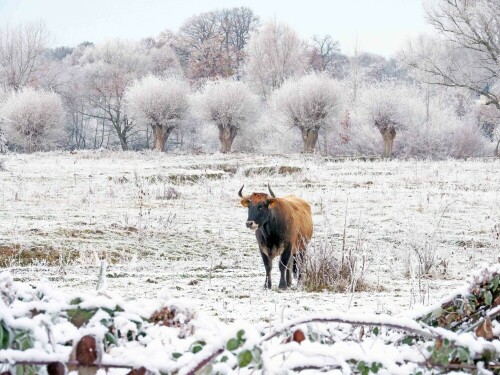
(165,336)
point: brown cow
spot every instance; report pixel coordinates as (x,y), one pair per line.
(283,227)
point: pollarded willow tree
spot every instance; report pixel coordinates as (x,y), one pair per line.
(33,120)
(230,106)
(309,103)
(160,103)
(391,108)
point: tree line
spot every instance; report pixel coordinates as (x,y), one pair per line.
(226,80)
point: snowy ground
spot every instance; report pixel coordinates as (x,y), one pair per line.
(61,213)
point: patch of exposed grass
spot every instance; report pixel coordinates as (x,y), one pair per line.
(228,168)
(15,254)
(183,178)
(22,256)
(280,170)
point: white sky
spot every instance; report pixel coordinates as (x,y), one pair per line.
(380,26)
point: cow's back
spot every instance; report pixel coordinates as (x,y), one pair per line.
(300,220)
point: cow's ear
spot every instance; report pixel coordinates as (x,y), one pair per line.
(245,202)
(271,202)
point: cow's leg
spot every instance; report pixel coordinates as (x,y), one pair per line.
(267,265)
(285,257)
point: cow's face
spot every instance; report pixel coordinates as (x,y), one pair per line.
(259,207)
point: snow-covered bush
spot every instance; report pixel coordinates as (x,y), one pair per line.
(309,103)
(165,336)
(489,122)
(229,105)
(33,119)
(160,103)
(444,135)
(3,141)
(267,136)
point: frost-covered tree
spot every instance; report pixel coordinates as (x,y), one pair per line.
(21,53)
(309,103)
(108,69)
(230,106)
(33,119)
(389,108)
(212,43)
(164,61)
(275,53)
(84,130)
(467,52)
(323,53)
(160,103)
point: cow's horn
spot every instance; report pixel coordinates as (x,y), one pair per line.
(240,193)
(271,191)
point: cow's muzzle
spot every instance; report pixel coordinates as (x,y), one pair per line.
(252,225)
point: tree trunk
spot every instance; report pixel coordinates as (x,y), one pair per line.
(160,134)
(122,135)
(30,147)
(310,137)
(388,135)
(226,137)
(497,149)
(124,144)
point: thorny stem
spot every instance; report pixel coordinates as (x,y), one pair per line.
(204,361)
(450,366)
(491,314)
(399,326)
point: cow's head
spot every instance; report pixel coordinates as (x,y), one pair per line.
(259,207)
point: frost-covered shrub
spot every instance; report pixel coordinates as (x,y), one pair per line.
(3,141)
(228,105)
(160,103)
(444,135)
(33,119)
(489,123)
(268,136)
(359,138)
(309,103)
(325,269)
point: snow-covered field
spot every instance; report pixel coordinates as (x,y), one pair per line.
(174,224)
